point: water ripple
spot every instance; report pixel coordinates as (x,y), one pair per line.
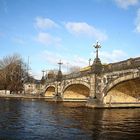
(41,120)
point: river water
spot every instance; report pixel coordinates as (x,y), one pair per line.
(41,120)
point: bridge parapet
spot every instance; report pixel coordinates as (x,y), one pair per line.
(76,75)
(132,63)
(73,75)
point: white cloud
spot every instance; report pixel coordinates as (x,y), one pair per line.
(53,58)
(82,28)
(114,56)
(79,61)
(50,57)
(137,22)
(37,75)
(47,39)
(126,3)
(45,23)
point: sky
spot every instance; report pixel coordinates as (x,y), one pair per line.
(47,31)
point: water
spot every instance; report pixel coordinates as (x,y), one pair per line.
(41,120)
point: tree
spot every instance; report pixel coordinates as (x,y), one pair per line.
(74,69)
(12,71)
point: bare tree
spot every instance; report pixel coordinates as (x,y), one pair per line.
(74,69)
(12,73)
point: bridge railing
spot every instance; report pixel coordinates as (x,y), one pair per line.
(51,80)
(132,63)
(70,76)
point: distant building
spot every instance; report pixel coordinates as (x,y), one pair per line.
(33,88)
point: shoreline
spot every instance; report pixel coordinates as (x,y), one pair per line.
(22,96)
(115,106)
(105,106)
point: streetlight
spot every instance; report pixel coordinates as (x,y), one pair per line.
(43,71)
(60,63)
(89,61)
(97,66)
(97,46)
(67,67)
(59,74)
(43,78)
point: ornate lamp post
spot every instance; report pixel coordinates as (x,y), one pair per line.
(59,75)
(97,46)
(60,63)
(89,61)
(43,78)
(97,66)
(43,71)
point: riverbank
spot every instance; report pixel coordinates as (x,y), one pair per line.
(96,106)
(113,105)
(21,96)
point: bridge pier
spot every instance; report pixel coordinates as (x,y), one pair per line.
(57,96)
(92,86)
(95,99)
(94,103)
(95,95)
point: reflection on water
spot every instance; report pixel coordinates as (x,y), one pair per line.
(37,119)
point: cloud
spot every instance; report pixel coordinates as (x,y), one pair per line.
(137,22)
(53,58)
(114,56)
(50,57)
(45,23)
(79,61)
(44,37)
(47,39)
(126,3)
(37,75)
(84,29)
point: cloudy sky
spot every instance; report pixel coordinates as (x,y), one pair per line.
(49,30)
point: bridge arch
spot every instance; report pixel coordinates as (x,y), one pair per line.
(76,91)
(50,91)
(123,89)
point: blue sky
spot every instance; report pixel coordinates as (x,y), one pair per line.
(49,30)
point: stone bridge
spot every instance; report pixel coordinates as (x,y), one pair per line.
(114,83)
(99,85)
